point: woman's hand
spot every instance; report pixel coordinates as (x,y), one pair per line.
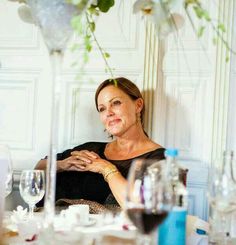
(99,165)
(78,161)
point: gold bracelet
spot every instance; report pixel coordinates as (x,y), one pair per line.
(110,170)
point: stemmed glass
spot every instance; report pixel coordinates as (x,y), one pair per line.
(221,195)
(6,157)
(32,187)
(149,196)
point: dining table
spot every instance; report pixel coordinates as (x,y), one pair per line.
(100,229)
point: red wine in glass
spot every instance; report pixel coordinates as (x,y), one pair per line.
(146,220)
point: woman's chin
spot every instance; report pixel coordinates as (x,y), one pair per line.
(114,132)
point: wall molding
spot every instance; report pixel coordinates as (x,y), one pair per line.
(150,77)
(222,80)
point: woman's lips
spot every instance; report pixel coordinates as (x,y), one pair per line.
(113,122)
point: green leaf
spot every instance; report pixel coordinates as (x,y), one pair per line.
(227,55)
(87,43)
(105,5)
(92,26)
(76,24)
(93,10)
(115,82)
(206,16)
(88,47)
(106,55)
(198,11)
(200,31)
(221,27)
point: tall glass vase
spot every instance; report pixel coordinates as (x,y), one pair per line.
(56,58)
(53,18)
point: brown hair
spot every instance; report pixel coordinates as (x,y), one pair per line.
(126,86)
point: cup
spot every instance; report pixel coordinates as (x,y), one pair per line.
(78,214)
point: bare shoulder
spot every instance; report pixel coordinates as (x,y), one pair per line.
(153,145)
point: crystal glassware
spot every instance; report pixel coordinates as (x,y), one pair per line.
(53,18)
(149,196)
(32,187)
(221,195)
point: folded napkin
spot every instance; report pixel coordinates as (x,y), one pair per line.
(196,231)
(195,224)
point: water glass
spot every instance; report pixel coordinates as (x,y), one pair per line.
(32,187)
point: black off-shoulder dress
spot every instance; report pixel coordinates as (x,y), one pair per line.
(92,186)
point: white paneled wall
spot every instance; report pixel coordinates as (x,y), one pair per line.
(191,101)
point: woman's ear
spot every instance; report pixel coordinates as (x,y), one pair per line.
(139,105)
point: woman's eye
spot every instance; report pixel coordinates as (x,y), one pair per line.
(101,109)
(116,102)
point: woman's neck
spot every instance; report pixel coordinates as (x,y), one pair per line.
(129,143)
(132,143)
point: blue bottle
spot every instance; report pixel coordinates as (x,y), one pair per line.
(173,230)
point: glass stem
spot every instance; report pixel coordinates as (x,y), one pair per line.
(49,203)
(31,210)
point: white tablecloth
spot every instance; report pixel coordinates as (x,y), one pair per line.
(96,232)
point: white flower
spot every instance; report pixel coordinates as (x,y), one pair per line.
(160,13)
(19,215)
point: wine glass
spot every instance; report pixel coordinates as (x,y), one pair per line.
(149,196)
(221,195)
(6,157)
(32,187)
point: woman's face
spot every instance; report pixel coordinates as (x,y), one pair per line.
(117,110)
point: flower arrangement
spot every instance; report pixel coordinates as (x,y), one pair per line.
(165,14)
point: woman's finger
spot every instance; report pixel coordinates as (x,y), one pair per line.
(79,163)
(75,168)
(85,153)
(82,158)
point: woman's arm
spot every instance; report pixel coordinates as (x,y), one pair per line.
(111,174)
(41,165)
(76,162)
(61,165)
(118,186)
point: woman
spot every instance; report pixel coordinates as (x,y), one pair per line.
(95,169)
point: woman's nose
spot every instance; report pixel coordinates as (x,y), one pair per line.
(110,112)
